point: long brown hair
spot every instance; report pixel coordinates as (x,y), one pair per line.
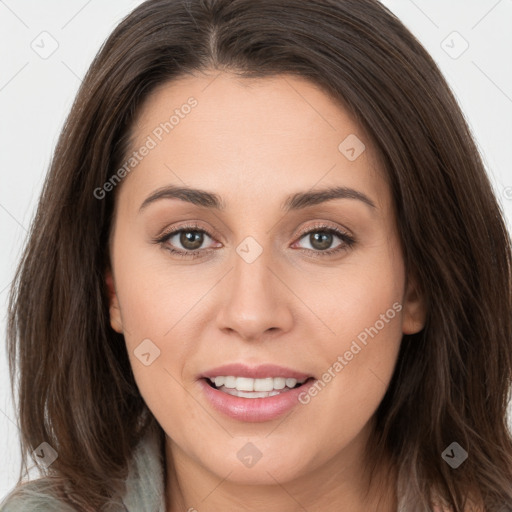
(452,380)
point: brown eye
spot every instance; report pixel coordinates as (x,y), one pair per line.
(186,241)
(321,240)
(191,240)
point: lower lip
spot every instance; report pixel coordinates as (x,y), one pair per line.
(254,409)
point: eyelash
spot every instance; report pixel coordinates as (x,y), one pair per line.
(347,240)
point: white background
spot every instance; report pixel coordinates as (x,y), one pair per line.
(36,95)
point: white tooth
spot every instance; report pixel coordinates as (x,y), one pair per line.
(230,382)
(291,382)
(249,394)
(279,382)
(244,384)
(264,384)
(258,385)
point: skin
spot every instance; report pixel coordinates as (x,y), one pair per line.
(254,142)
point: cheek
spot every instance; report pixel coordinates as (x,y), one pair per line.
(351,297)
(154,291)
(361,305)
(358,366)
(157,310)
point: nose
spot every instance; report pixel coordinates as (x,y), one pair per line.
(257,302)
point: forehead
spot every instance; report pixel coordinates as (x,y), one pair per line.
(255,136)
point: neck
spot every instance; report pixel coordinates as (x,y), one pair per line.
(342,484)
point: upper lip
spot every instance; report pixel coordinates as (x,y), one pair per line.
(255,372)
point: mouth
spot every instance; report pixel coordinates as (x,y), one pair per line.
(245,387)
(254,393)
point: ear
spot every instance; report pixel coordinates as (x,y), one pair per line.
(115,312)
(414,308)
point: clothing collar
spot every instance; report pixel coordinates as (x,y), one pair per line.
(145,486)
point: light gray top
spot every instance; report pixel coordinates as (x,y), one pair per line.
(144,485)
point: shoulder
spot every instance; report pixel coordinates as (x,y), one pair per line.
(33,496)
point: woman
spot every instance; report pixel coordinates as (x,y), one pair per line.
(267,272)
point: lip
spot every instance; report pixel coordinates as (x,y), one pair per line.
(255,372)
(254,410)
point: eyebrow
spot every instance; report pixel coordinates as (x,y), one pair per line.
(293,202)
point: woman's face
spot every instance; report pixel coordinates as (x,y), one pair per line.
(279,272)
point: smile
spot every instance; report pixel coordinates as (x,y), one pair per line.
(254,388)
(253,406)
